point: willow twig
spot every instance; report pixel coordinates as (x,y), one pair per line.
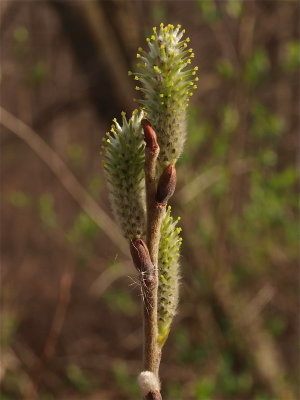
(154,217)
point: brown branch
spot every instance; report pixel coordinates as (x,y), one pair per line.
(154,217)
(54,333)
(65,176)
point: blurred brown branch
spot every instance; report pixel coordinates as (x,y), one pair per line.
(65,176)
(55,330)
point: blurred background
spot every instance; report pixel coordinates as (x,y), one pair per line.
(70,302)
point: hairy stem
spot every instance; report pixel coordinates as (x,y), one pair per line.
(150,292)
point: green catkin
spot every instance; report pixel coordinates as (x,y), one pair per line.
(123,164)
(167,82)
(168,264)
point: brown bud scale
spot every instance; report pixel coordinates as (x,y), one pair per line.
(166,184)
(149,135)
(141,259)
(153,396)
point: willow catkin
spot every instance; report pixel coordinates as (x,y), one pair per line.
(124,163)
(168,264)
(167,82)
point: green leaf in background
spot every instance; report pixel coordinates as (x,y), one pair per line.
(83,228)
(264,123)
(121,301)
(38,73)
(234,8)
(257,67)
(19,199)
(78,379)
(76,154)
(124,380)
(21,34)
(291,55)
(209,10)
(230,119)
(47,212)
(205,388)
(225,69)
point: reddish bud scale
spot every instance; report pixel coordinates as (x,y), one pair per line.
(153,396)
(166,184)
(149,135)
(141,259)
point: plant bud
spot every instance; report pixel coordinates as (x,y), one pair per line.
(141,259)
(166,185)
(149,385)
(153,396)
(149,135)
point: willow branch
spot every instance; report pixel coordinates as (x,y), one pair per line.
(154,217)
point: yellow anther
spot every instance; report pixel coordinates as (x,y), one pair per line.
(196,79)
(196,68)
(152,37)
(147,40)
(161,25)
(138,55)
(161,95)
(136,78)
(184,45)
(140,49)
(178,26)
(187,39)
(137,88)
(154,29)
